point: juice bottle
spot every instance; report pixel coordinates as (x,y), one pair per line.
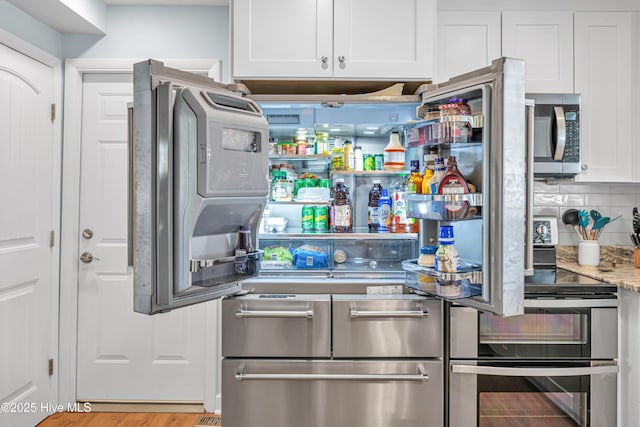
(428,174)
(400,223)
(394,153)
(384,211)
(415,179)
(341,214)
(372,210)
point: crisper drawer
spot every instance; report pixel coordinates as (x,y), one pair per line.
(276,325)
(386,326)
(304,393)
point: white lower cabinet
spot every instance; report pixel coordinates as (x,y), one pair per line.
(603,62)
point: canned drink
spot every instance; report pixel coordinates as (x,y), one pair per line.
(308,213)
(297,185)
(325,183)
(379,162)
(320,218)
(369,162)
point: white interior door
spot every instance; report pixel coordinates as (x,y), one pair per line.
(123,355)
(29,197)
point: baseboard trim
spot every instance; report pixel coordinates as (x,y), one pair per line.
(128,406)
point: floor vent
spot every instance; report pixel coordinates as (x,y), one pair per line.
(209,420)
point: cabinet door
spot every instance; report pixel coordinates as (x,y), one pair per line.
(282,38)
(384,39)
(603,77)
(466,41)
(545,41)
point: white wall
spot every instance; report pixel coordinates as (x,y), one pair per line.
(158,32)
(609,199)
(19,24)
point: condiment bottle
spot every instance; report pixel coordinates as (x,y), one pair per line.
(244,241)
(394,153)
(372,210)
(384,211)
(341,214)
(447,258)
(454,183)
(438,173)
(427,256)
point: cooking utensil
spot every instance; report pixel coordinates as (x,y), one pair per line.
(583,218)
(595,215)
(570,217)
(636,221)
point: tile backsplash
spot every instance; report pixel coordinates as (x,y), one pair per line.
(552,199)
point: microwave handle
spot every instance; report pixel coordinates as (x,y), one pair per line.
(561,133)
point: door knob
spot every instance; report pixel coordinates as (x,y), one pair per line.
(87,257)
(87,233)
(341,60)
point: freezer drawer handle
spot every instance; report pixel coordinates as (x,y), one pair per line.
(533,372)
(307,314)
(387,313)
(422,376)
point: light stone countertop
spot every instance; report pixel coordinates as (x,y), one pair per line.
(625,275)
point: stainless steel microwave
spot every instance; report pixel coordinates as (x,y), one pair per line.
(556,135)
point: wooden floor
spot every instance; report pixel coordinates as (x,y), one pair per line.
(126,419)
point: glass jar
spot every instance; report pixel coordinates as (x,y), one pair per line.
(462,105)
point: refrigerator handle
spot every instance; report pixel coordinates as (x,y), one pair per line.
(561,133)
(528,235)
(130,183)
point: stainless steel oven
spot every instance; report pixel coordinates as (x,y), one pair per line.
(556,363)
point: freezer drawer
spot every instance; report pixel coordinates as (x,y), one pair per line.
(304,393)
(386,326)
(276,325)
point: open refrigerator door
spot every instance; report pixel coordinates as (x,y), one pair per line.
(489,140)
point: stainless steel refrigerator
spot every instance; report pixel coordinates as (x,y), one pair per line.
(200,167)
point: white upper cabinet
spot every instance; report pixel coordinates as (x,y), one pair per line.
(282,38)
(466,41)
(319,39)
(603,60)
(545,41)
(382,39)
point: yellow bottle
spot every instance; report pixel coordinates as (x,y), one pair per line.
(426,180)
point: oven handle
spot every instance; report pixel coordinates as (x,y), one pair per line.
(307,314)
(570,303)
(422,376)
(387,313)
(534,372)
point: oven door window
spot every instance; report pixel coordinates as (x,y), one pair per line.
(537,333)
(558,394)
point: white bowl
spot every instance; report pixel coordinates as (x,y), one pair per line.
(277,224)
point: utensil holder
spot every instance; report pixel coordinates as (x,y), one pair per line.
(589,252)
(636,257)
